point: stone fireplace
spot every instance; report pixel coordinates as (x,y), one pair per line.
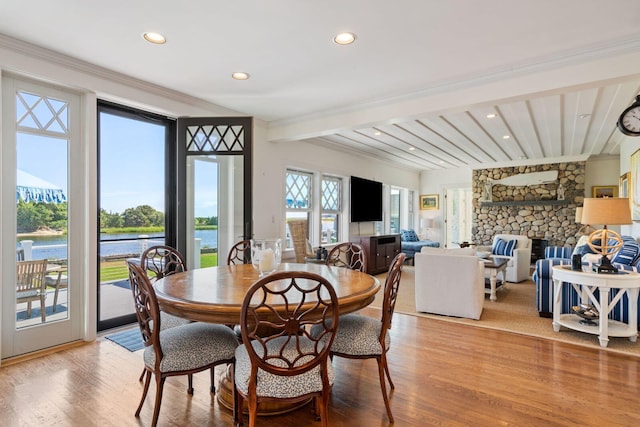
(539,211)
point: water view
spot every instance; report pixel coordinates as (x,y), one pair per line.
(55,247)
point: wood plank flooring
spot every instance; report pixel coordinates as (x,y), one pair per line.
(446,374)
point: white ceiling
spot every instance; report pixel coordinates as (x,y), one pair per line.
(422,73)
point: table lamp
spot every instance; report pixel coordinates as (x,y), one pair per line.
(605,242)
(586,229)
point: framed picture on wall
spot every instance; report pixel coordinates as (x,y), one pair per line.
(623,189)
(428,201)
(604,191)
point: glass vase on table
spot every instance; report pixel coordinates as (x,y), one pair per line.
(266,255)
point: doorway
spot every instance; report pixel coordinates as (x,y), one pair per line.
(135,184)
(41,217)
(457,213)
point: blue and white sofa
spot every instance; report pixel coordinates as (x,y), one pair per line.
(411,243)
(628,258)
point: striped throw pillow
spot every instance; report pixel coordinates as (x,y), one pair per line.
(503,247)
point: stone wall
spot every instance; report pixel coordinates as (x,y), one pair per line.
(532,210)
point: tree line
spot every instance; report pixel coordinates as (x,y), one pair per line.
(37,216)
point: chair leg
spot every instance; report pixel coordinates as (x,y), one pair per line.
(386,370)
(156,406)
(238,401)
(55,299)
(142,374)
(190,389)
(383,386)
(28,309)
(252,403)
(147,380)
(43,309)
(213,380)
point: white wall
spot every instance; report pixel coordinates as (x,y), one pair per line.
(601,171)
(271,159)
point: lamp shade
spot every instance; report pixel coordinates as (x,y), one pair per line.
(579,215)
(606,211)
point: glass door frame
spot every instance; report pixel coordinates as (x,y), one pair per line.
(221,139)
(26,340)
(170,189)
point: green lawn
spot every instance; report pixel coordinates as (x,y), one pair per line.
(117,270)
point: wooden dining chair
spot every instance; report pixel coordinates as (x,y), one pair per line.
(181,350)
(162,260)
(30,284)
(363,337)
(159,261)
(240,253)
(290,365)
(350,255)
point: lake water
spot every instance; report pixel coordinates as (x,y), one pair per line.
(54,247)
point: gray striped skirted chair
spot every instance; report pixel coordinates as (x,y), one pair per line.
(628,258)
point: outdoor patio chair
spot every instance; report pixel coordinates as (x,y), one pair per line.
(30,284)
(181,350)
(57,280)
(289,365)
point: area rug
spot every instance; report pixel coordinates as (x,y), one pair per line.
(131,339)
(515,311)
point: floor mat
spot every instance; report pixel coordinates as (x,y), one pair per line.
(131,339)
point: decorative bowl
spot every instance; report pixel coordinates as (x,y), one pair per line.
(588,312)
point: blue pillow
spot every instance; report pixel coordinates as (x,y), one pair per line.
(409,236)
(501,247)
(629,252)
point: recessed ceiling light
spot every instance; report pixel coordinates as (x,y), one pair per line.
(155,38)
(441,162)
(584,116)
(491,116)
(344,38)
(240,75)
(412,148)
(377,133)
(506,136)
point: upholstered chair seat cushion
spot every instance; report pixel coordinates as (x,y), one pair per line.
(358,336)
(168,321)
(280,386)
(192,346)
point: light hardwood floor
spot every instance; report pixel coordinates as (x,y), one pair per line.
(445,374)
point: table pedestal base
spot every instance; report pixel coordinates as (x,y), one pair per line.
(224,392)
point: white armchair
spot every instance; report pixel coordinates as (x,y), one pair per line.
(518,268)
(449,282)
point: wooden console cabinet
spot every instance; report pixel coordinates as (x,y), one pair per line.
(381,250)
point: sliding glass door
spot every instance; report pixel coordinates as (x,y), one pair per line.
(135,200)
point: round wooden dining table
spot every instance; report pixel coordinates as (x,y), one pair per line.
(215,295)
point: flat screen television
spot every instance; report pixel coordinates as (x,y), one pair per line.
(366,200)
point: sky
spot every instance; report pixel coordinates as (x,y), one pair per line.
(131,166)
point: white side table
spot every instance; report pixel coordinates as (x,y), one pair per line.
(585,283)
